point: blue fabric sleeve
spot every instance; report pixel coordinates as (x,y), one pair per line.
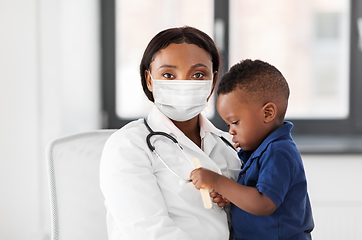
(275,175)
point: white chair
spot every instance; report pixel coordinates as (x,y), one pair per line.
(77,203)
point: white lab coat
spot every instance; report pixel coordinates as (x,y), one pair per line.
(144,199)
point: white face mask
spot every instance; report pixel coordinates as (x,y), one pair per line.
(181,100)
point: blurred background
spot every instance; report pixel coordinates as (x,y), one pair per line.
(69,66)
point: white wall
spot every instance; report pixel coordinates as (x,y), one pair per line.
(334,184)
(49,87)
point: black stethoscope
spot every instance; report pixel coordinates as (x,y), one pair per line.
(153,149)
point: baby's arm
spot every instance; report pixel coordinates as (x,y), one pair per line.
(247,198)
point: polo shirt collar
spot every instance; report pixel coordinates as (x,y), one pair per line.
(281,131)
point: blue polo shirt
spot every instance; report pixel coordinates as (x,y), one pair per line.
(276,169)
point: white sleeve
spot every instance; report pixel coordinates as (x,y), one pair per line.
(132,195)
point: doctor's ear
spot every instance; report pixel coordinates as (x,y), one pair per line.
(215,76)
(148,80)
(270,112)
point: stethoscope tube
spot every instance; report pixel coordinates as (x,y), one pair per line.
(228,143)
(153,149)
(151,134)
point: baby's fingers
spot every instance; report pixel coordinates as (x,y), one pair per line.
(214,194)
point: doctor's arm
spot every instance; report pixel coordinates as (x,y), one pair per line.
(247,198)
(132,195)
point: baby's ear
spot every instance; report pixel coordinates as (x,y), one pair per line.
(270,112)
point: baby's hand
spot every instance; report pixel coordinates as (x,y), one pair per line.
(204,178)
(219,199)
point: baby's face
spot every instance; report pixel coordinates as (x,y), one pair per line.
(245,120)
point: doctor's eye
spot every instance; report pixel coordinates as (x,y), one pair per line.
(168,76)
(198,75)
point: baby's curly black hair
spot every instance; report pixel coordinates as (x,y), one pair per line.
(259,81)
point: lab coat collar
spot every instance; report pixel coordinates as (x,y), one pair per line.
(207,126)
(206,129)
(159,122)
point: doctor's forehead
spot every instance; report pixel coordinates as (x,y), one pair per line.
(177,55)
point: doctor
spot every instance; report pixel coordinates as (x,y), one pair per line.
(144,199)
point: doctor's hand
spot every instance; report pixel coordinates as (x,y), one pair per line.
(204,178)
(219,199)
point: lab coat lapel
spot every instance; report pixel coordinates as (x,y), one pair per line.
(193,151)
(159,122)
(209,143)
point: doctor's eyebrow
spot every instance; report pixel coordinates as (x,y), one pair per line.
(199,65)
(193,66)
(167,66)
